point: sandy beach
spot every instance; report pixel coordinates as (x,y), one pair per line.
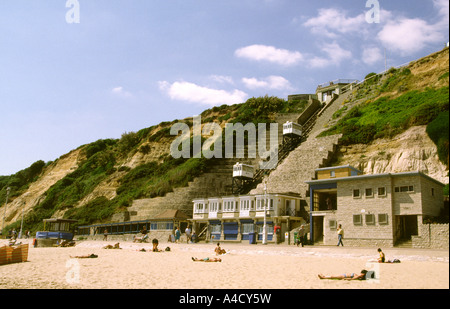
(243,267)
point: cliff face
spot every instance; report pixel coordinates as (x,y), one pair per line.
(37,190)
(412,150)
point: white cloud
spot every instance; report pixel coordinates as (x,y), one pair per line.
(372,55)
(409,35)
(222,79)
(336,55)
(271,82)
(443,8)
(119,91)
(331,21)
(185,91)
(269,53)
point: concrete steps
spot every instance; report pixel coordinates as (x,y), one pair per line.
(289,176)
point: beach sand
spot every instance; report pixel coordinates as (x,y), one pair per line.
(244,267)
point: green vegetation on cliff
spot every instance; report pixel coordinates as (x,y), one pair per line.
(387,117)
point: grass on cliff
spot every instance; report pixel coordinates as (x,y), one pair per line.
(386,117)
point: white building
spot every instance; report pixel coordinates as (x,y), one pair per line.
(241,218)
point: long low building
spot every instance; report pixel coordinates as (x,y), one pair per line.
(241,218)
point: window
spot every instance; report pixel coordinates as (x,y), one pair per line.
(356,193)
(383,219)
(370,219)
(216,228)
(246,204)
(214,206)
(163,225)
(432,191)
(357,219)
(332,174)
(199,208)
(333,224)
(260,204)
(404,189)
(369,192)
(229,206)
(247,228)
(382,191)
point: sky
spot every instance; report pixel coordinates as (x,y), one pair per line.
(75,71)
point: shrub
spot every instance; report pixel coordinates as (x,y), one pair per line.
(438,131)
(128,141)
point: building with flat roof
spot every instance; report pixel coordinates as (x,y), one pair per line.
(241,218)
(379,209)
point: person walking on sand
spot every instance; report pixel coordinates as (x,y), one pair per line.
(340,233)
(177,235)
(105,235)
(188,234)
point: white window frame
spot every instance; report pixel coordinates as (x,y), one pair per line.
(229,206)
(260,204)
(200,208)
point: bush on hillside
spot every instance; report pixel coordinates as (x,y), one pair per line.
(438,131)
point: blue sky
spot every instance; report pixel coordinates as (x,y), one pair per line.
(128,65)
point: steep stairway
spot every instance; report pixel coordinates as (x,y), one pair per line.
(294,168)
(314,152)
(215,182)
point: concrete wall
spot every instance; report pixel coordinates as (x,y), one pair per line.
(407,203)
(348,206)
(431,194)
(434,236)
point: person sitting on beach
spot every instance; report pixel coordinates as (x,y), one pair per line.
(382,257)
(207,260)
(155,245)
(352,276)
(218,250)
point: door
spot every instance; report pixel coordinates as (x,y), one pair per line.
(318,229)
(408,226)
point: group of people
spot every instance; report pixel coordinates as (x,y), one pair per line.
(191,236)
(218,250)
(362,275)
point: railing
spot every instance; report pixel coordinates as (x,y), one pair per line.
(337,81)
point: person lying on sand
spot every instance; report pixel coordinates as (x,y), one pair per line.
(219,251)
(116,246)
(207,260)
(352,276)
(90,256)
